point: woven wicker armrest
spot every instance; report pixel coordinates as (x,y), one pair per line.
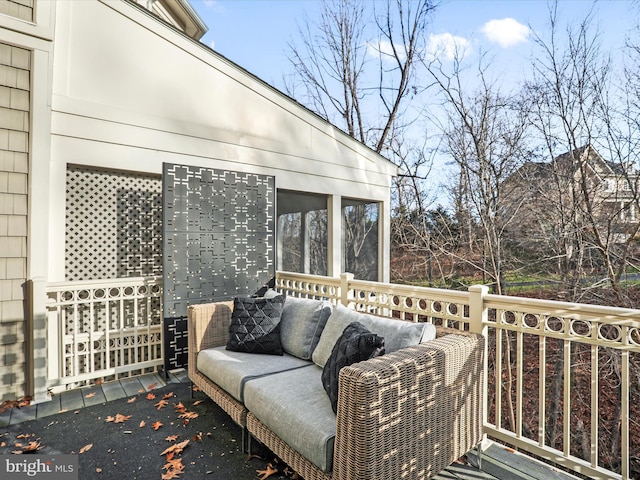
(411,413)
(208,326)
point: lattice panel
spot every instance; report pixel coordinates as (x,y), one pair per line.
(113,225)
(219,237)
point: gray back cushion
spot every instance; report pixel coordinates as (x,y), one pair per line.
(397,334)
(301,324)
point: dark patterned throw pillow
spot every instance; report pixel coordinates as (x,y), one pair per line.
(354,345)
(255,325)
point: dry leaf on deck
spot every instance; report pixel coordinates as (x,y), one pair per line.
(189,415)
(157,425)
(270,470)
(173,469)
(142,423)
(168,396)
(29,448)
(86,448)
(179,407)
(176,449)
(197,402)
(171,438)
(152,386)
(161,404)
(90,395)
(131,400)
(151,396)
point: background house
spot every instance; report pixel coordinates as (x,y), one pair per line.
(578,196)
(96,97)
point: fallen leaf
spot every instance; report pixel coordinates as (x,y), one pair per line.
(90,395)
(131,400)
(270,470)
(176,449)
(189,415)
(152,386)
(99,381)
(197,402)
(98,470)
(157,425)
(31,447)
(171,438)
(195,388)
(168,396)
(86,448)
(173,468)
(179,407)
(119,418)
(161,404)
(151,396)
(142,423)
(197,437)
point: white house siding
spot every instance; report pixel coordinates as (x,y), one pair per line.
(123,100)
(15,65)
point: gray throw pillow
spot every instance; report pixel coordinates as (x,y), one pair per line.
(301,325)
(397,333)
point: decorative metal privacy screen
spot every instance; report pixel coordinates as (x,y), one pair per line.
(218,242)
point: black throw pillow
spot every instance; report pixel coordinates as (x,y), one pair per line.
(255,325)
(354,345)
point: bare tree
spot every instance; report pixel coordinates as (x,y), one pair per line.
(485,137)
(578,122)
(356,67)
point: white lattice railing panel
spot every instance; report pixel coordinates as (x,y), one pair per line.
(104,329)
(447,308)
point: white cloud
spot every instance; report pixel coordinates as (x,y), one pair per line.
(447,46)
(506,32)
(384,50)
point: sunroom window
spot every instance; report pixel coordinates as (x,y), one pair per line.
(302,233)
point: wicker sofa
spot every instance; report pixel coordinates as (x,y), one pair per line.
(407,414)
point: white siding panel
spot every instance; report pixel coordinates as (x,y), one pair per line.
(137,79)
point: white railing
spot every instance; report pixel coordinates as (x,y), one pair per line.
(576,366)
(103,329)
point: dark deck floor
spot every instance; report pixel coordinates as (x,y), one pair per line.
(73,400)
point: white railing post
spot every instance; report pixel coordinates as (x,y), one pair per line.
(477,311)
(478,316)
(37,339)
(345,279)
(54,342)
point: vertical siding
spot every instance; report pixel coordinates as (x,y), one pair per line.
(15,64)
(22,9)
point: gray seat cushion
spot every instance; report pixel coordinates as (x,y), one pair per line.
(301,324)
(231,370)
(294,406)
(397,334)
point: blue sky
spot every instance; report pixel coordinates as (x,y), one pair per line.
(254,33)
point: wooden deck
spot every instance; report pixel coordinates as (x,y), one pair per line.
(495,460)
